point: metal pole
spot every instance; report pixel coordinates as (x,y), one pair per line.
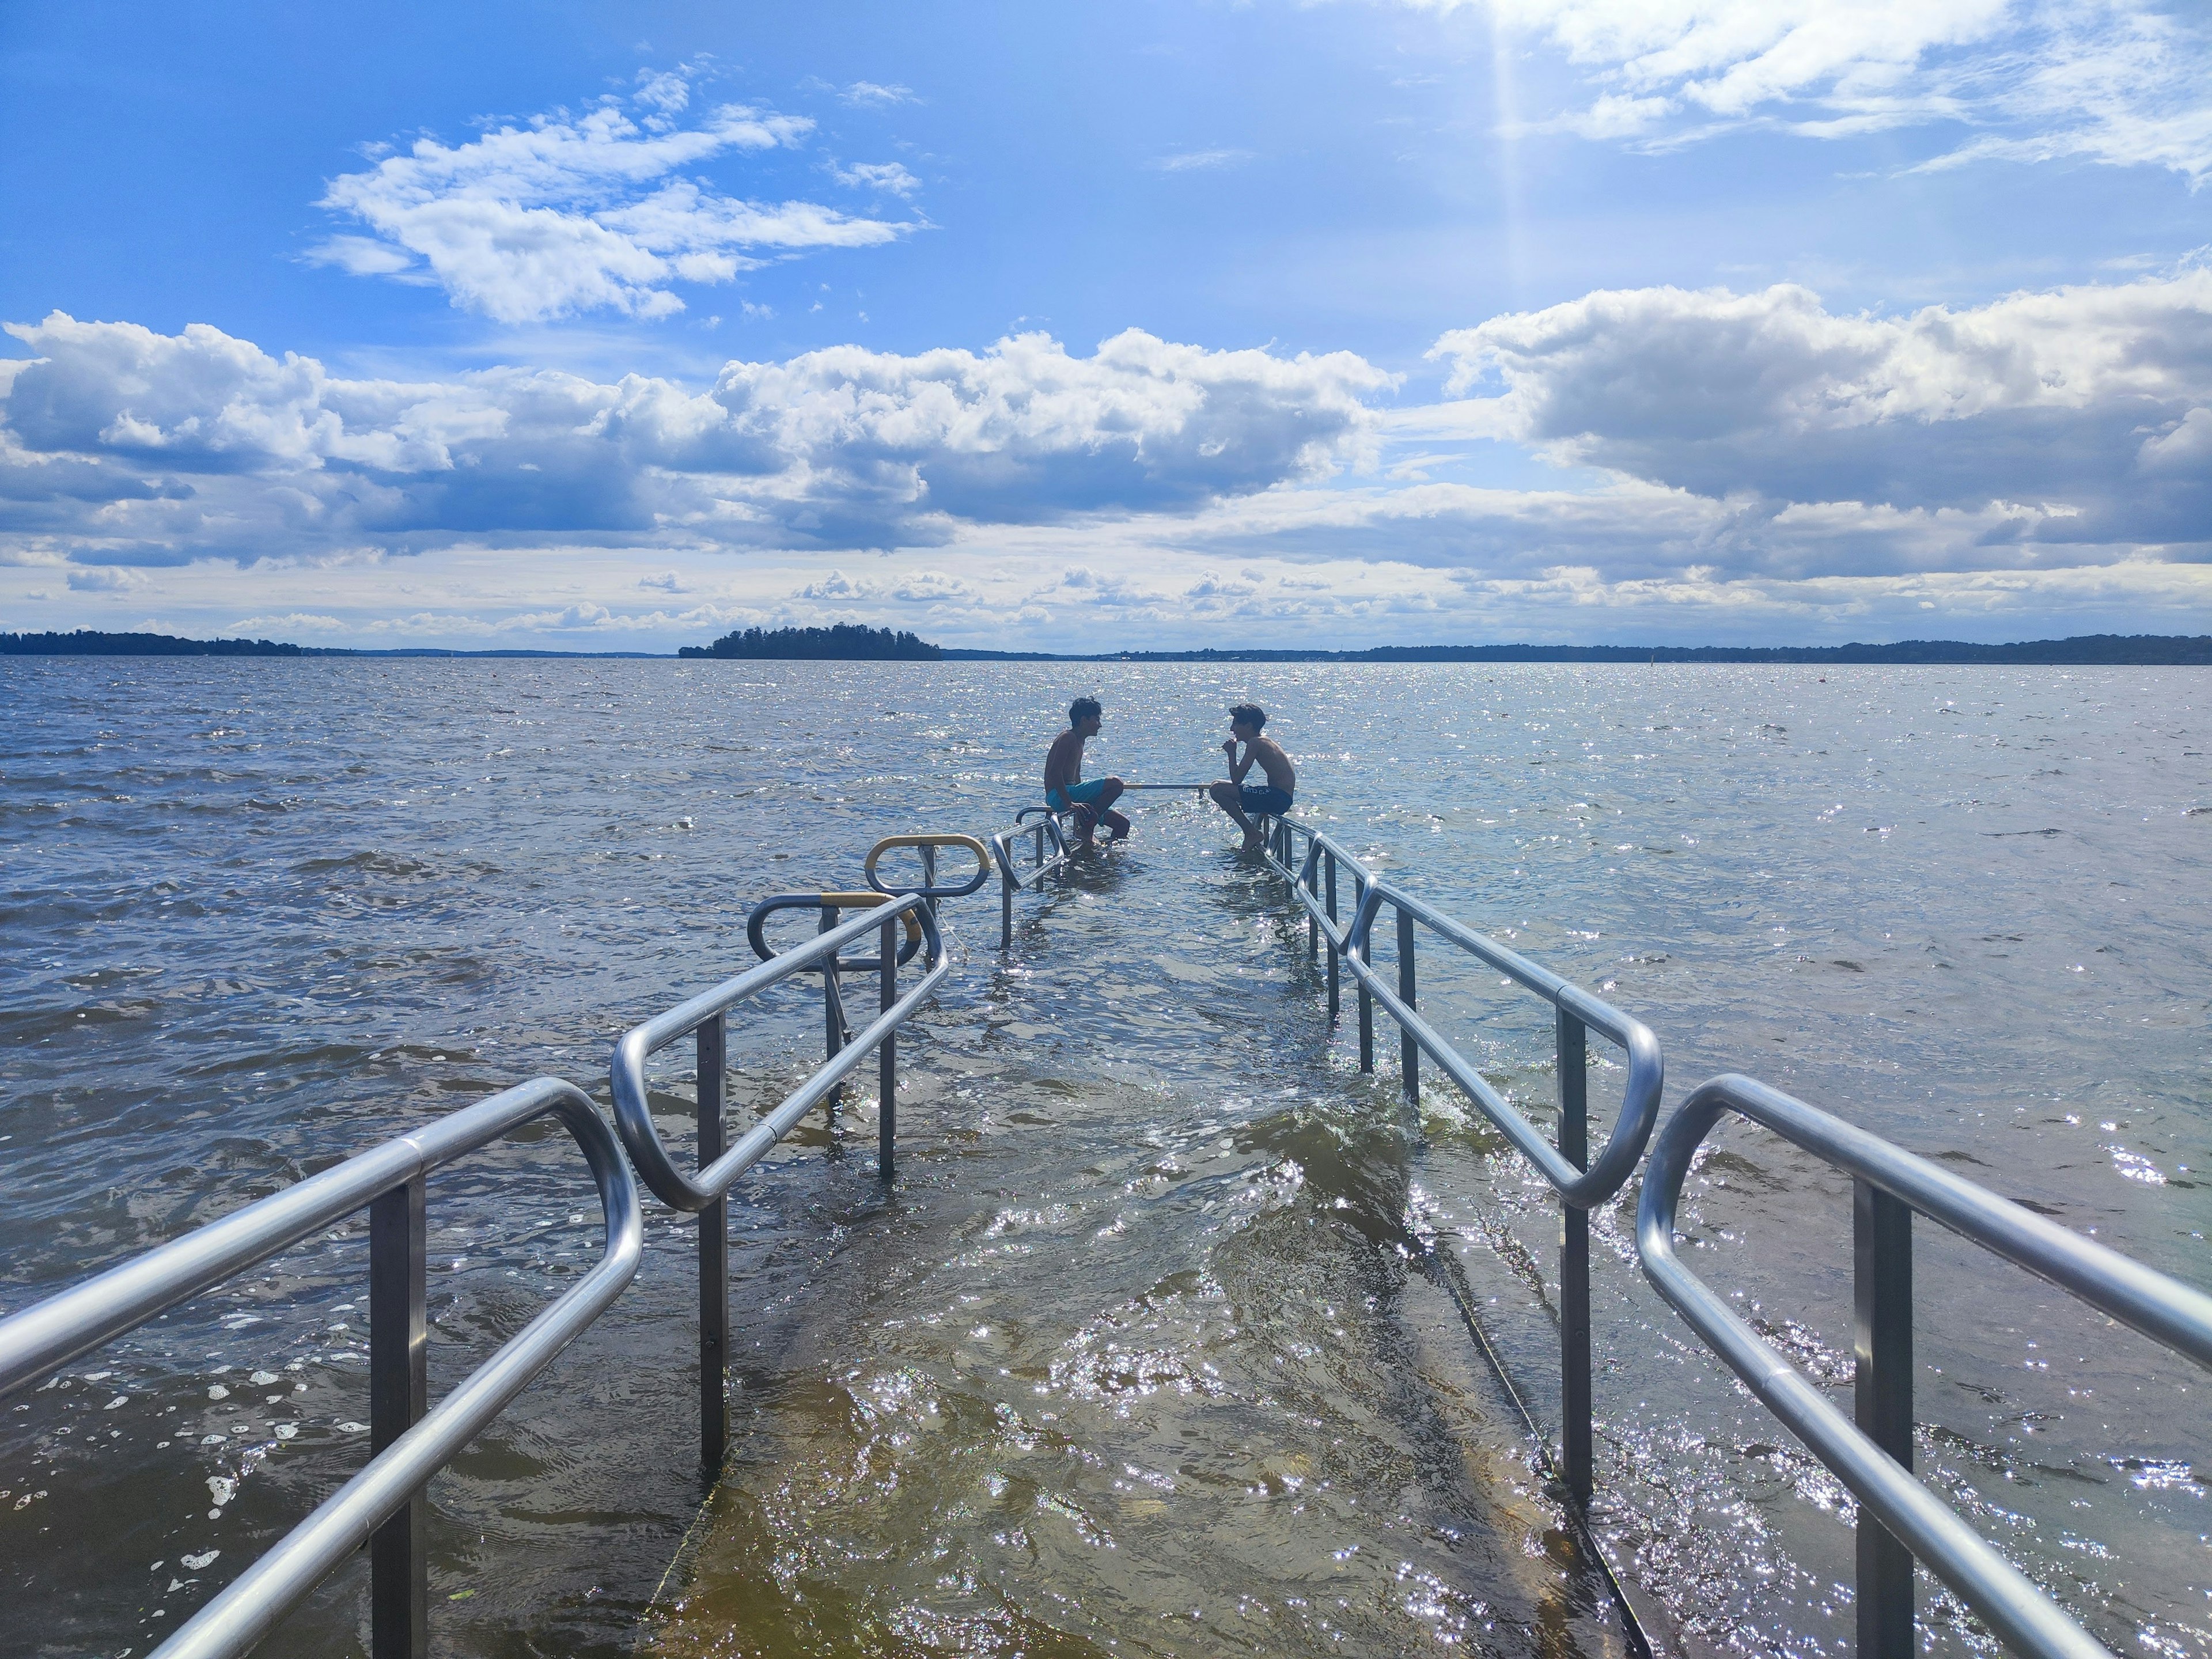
(1006,905)
(1574,1265)
(1881,1284)
(887,1057)
(1367,998)
(929,875)
(833,1017)
(1313,930)
(713,1258)
(1331,857)
(1409,1052)
(399,1395)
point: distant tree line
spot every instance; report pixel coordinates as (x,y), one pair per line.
(845,642)
(89,642)
(2083,651)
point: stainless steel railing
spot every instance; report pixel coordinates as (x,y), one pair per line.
(1874,1455)
(704,1191)
(1871,1453)
(385,1505)
(1312,882)
(1037,824)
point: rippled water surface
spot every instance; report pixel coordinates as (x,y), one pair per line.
(1150,1347)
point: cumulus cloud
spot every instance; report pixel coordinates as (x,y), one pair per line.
(569,213)
(871,95)
(157,448)
(1721,443)
(2120,82)
(2074,415)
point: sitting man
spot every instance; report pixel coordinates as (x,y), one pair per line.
(1246,804)
(1064,788)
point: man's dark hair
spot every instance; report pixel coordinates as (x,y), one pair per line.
(1248,714)
(1082,710)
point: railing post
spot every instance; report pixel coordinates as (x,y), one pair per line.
(1882,1283)
(929,875)
(714,1256)
(1332,965)
(833,1017)
(887,1057)
(1367,998)
(1313,928)
(1574,1264)
(1006,900)
(399,1395)
(1409,1052)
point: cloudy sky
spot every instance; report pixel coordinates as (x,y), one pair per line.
(1096,327)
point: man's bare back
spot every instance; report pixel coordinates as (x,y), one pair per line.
(1063,762)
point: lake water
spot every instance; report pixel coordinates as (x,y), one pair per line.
(1142,1353)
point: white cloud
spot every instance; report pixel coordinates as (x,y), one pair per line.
(1201,159)
(1737,455)
(2119,81)
(835,586)
(932,588)
(2071,402)
(879,175)
(358,256)
(289,625)
(104,580)
(870,95)
(571,213)
(158,448)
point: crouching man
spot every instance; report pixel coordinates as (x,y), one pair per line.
(1065,790)
(1244,803)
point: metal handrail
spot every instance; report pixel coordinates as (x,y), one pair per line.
(756,923)
(383,1506)
(929,844)
(1583,1188)
(704,1191)
(1873,1457)
(1580,1189)
(694,1192)
(1047,822)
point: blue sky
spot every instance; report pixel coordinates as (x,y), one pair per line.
(1605,320)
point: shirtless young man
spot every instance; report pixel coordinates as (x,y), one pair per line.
(1064,788)
(1245,804)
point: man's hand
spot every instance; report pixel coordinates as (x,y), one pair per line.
(1228,747)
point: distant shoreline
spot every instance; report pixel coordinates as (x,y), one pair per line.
(2081,651)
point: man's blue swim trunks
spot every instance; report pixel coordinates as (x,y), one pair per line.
(1082,794)
(1268,802)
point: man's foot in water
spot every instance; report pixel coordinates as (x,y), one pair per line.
(1253,841)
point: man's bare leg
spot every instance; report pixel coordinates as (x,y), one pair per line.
(1229,801)
(1117,827)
